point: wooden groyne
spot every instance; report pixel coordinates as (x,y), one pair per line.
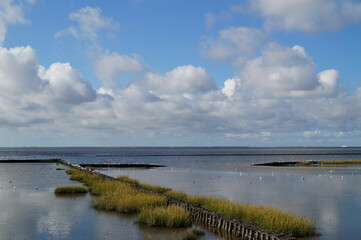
(227,225)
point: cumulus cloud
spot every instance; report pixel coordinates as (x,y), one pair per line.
(66,85)
(235,45)
(183,79)
(10,13)
(308,15)
(31,94)
(18,71)
(110,65)
(89,23)
(288,73)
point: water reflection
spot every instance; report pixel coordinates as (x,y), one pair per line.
(37,213)
(327,196)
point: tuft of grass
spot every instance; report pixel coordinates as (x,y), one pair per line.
(128,180)
(170,216)
(330,162)
(129,203)
(154,188)
(70,189)
(193,234)
(59,169)
(177,195)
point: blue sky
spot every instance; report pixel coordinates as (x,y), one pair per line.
(180,73)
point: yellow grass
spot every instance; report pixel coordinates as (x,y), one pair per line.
(118,196)
(329,162)
(70,189)
(170,216)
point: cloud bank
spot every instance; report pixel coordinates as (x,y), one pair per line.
(308,15)
(276,89)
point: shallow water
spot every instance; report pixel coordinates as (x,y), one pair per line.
(31,210)
(329,196)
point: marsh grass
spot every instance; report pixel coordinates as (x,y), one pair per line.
(177,195)
(120,197)
(70,189)
(262,216)
(129,203)
(193,234)
(169,216)
(329,162)
(117,196)
(154,188)
(128,180)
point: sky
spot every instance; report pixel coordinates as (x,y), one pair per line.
(180,73)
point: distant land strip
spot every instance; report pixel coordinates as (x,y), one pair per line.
(57,160)
(309,163)
(223,154)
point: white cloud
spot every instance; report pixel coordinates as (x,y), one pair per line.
(308,15)
(183,79)
(288,73)
(31,94)
(18,71)
(66,85)
(235,45)
(312,133)
(10,13)
(89,24)
(230,86)
(110,65)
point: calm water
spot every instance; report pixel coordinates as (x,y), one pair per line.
(329,196)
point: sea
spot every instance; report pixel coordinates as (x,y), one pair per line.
(330,195)
(225,158)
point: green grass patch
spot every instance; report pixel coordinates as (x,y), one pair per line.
(128,180)
(328,162)
(170,216)
(130,203)
(266,217)
(154,188)
(119,196)
(193,234)
(70,189)
(177,195)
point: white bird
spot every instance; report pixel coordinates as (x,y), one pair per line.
(303,178)
(14,188)
(36,188)
(260,179)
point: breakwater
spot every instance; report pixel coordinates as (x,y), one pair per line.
(220,222)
